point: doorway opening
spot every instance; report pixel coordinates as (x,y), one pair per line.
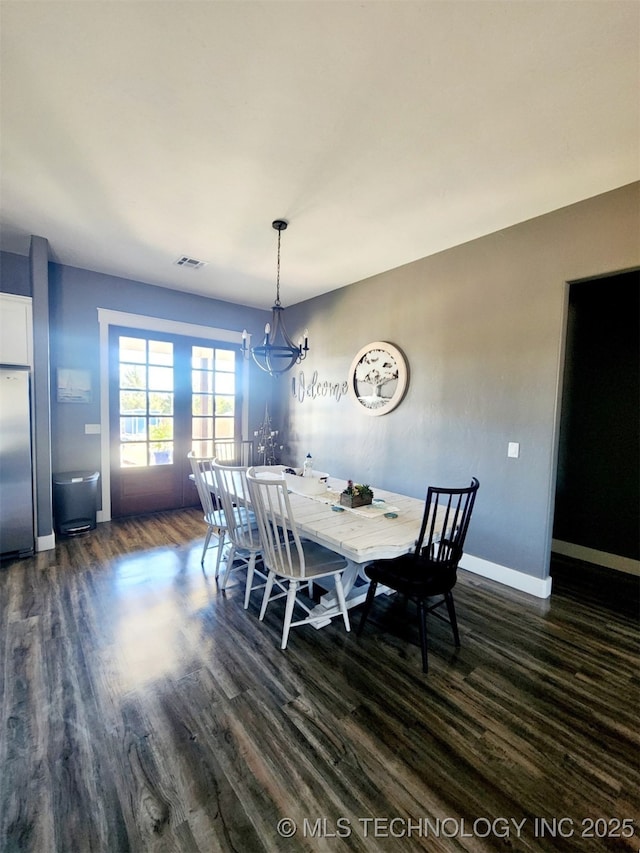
(598,489)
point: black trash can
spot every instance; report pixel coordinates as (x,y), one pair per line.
(75,498)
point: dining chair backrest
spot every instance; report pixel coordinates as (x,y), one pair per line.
(233,489)
(205,482)
(234,452)
(445,522)
(429,574)
(282,551)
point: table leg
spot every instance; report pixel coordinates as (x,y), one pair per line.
(355,584)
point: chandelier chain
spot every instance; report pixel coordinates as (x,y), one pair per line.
(278,273)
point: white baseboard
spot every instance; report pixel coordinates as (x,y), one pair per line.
(46,543)
(600,558)
(101,516)
(540,587)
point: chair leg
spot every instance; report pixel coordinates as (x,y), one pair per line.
(267,594)
(452,617)
(422,622)
(221,540)
(342,602)
(371,594)
(288,613)
(227,571)
(207,539)
(249,585)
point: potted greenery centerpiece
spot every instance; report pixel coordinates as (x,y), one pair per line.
(356,494)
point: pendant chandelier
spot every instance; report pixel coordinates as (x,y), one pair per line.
(277,353)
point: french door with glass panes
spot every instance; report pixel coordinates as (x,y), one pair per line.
(168,395)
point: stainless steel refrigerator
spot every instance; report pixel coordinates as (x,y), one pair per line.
(16,478)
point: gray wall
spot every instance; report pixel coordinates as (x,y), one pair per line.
(66,328)
(14,274)
(75,296)
(482,326)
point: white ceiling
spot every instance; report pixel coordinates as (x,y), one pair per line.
(137,132)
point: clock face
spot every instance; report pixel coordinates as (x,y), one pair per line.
(378,378)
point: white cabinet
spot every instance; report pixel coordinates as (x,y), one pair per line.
(16,329)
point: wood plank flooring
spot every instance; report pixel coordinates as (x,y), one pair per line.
(142,709)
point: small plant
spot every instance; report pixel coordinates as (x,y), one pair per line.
(358,490)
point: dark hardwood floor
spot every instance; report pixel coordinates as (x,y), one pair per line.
(144,710)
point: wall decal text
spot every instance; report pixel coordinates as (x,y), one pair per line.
(300,389)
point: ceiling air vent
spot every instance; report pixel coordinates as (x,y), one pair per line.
(190,263)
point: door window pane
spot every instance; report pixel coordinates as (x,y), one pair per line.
(133,455)
(225,383)
(133,403)
(202,404)
(224,427)
(226,360)
(160,403)
(161,352)
(133,376)
(160,429)
(202,358)
(225,405)
(133,429)
(202,428)
(161,378)
(203,448)
(133,349)
(161,453)
(202,381)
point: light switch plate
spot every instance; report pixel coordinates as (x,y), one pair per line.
(92,429)
(513,450)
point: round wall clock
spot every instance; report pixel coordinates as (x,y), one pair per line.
(378,378)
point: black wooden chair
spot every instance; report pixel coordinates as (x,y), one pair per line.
(430,571)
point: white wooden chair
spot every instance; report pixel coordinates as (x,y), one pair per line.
(242,527)
(234,452)
(289,559)
(214,517)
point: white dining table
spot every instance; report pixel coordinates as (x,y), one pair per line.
(386,528)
